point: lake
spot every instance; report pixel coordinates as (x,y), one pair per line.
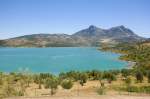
(58,59)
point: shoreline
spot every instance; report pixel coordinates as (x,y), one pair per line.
(131,64)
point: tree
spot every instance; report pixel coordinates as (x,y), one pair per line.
(1,76)
(139,76)
(38,80)
(69,75)
(28,80)
(125,72)
(40,83)
(94,74)
(148,76)
(102,83)
(67,84)
(101,89)
(109,76)
(83,78)
(128,81)
(52,83)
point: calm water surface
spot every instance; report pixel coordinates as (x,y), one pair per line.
(56,60)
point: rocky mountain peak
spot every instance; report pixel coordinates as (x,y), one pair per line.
(92,27)
(122,27)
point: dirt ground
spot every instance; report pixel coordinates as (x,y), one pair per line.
(86,97)
(88,91)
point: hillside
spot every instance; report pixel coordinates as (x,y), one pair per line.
(92,36)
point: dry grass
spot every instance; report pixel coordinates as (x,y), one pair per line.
(89,90)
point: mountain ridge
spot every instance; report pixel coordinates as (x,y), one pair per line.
(91,36)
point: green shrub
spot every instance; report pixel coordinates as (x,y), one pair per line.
(83,78)
(52,83)
(132,89)
(67,84)
(102,84)
(125,72)
(109,76)
(128,81)
(73,75)
(94,75)
(146,89)
(19,93)
(142,89)
(148,76)
(139,76)
(101,91)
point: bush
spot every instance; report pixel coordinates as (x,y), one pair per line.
(148,76)
(94,75)
(115,72)
(125,72)
(83,78)
(101,91)
(139,76)
(146,89)
(142,89)
(52,83)
(102,83)
(128,81)
(20,93)
(67,84)
(71,75)
(132,89)
(109,76)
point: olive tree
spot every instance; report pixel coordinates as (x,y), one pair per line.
(67,84)
(148,76)
(52,83)
(83,78)
(139,76)
(128,81)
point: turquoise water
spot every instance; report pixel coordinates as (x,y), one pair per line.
(56,60)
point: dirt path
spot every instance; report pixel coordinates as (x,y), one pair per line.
(87,97)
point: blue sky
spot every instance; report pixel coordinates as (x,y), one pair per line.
(22,17)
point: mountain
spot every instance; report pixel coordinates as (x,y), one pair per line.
(92,36)
(116,34)
(92,31)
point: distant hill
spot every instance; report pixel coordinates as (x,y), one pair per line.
(92,36)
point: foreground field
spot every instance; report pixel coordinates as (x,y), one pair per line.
(88,97)
(21,87)
(89,90)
